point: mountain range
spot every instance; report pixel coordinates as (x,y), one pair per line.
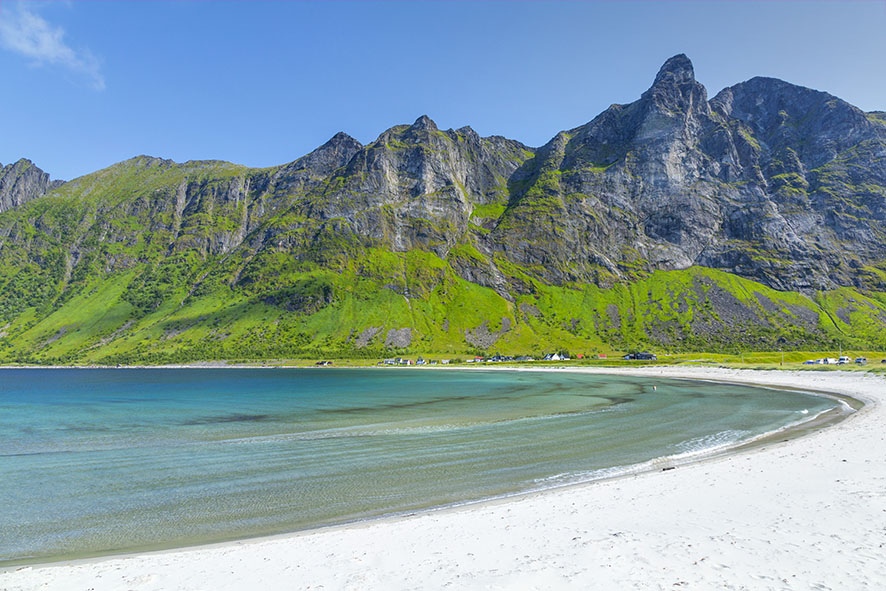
(750,220)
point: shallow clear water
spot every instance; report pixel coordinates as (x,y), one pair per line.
(100,461)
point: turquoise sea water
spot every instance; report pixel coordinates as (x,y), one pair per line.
(102,461)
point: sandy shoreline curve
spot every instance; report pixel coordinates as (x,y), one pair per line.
(809,513)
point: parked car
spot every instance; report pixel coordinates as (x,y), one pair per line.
(812,362)
(861,360)
(640,356)
(843,360)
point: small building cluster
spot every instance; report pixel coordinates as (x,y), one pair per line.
(419,361)
(555,357)
(499,359)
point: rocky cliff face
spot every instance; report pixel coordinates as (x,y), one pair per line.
(417,186)
(21,182)
(767,180)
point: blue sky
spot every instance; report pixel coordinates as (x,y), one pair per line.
(87,84)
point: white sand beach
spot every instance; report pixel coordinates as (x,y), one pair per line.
(809,513)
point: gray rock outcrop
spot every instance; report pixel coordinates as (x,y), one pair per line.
(22,181)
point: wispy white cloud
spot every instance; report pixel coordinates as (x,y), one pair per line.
(28,34)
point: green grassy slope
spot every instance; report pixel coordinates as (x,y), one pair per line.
(341,313)
(150,261)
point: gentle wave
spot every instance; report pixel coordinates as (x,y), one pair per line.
(692,449)
(712,441)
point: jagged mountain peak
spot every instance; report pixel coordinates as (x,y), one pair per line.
(675,89)
(677,69)
(405,132)
(21,182)
(768,89)
(424,123)
(341,144)
(19,164)
(341,138)
(815,124)
(335,153)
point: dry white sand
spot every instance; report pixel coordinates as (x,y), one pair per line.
(806,514)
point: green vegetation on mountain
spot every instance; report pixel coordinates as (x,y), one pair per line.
(673,223)
(361,307)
